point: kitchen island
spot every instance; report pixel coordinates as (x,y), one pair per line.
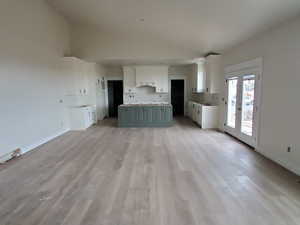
(145,115)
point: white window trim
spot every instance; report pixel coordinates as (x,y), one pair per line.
(251,66)
(255,64)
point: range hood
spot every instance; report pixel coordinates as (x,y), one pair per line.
(150,76)
(145,84)
(146,76)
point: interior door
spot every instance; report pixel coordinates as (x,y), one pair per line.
(177,97)
(242,106)
(115,96)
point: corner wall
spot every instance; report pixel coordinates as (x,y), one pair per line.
(33,39)
(280,109)
(92,44)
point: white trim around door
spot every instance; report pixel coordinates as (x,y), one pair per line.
(242,100)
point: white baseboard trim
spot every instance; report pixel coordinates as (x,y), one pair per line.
(5,157)
(25,149)
(43,141)
(280,162)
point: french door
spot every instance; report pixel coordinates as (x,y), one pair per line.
(242,101)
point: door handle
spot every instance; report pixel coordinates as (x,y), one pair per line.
(239,108)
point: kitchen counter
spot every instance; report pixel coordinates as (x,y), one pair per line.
(146,104)
(82,116)
(145,115)
(205,115)
(82,106)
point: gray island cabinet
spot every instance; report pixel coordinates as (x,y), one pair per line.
(145,115)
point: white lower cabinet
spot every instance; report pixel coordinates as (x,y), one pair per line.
(82,117)
(198,114)
(195,111)
(207,117)
(190,109)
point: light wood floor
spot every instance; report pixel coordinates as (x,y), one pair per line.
(147,176)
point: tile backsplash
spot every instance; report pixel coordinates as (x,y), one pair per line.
(197,97)
(212,99)
(145,95)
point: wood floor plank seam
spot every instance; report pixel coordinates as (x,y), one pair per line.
(180,175)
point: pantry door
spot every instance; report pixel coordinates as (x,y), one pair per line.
(242,106)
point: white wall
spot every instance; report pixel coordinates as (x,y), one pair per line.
(114,72)
(33,39)
(280,110)
(91,44)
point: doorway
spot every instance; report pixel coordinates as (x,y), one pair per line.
(242,106)
(115,96)
(177,97)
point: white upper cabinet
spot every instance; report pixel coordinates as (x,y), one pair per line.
(77,72)
(198,77)
(207,75)
(84,77)
(213,69)
(129,79)
(162,81)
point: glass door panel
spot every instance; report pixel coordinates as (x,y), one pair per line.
(248,97)
(232,102)
(241,108)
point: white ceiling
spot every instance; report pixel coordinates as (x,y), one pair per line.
(199,25)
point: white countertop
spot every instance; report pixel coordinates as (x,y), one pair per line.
(82,106)
(146,104)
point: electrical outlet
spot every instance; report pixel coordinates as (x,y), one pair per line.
(16,153)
